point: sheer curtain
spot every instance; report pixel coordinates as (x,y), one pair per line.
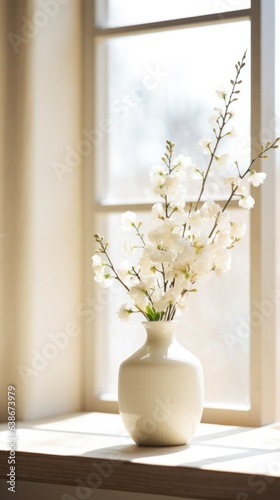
(40,212)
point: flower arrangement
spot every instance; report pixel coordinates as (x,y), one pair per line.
(192,239)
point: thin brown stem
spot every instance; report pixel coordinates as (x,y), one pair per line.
(221,128)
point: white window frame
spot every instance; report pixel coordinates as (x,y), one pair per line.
(263,333)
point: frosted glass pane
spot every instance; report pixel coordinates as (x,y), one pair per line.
(162,86)
(129,12)
(216,326)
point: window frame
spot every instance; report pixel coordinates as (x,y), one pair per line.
(263,218)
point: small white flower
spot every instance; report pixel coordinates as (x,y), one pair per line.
(222,161)
(124,269)
(158,170)
(164,236)
(209,209)
(221,92)
(181,162)
(124,312)
(179,198)
(256,178)
(159,255)
(202,265)
(104,279)
(145,263)
(223,239)
(138,293)
(195,219)
(172,183)
(128,221)
(241,191)
(204,143)
(230,176)
(222,261)
(246,202)
(178,204)
(128,247)
(197,173)
(187,255)
(182,303)
(158,174)
(165,300)
(96,261)
(158,210)
(237,230)
(223,222)
(233,132)
(225,266)
(213,118)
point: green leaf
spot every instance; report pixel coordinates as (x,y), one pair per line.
(152,315)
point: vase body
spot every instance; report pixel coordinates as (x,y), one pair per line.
(161,389)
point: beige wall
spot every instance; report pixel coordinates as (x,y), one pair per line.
(40,338)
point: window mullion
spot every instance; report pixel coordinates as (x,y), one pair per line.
(263,257)
(191,22)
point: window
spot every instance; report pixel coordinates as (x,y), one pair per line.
(151,75)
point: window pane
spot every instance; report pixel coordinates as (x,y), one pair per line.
(162,86)
(127,12)
(216,327)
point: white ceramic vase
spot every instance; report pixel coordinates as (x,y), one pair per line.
(161,389)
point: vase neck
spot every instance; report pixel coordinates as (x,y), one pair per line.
(160,331)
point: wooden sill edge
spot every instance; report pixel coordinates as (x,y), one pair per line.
(179,481)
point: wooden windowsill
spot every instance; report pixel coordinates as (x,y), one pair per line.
(93,449)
